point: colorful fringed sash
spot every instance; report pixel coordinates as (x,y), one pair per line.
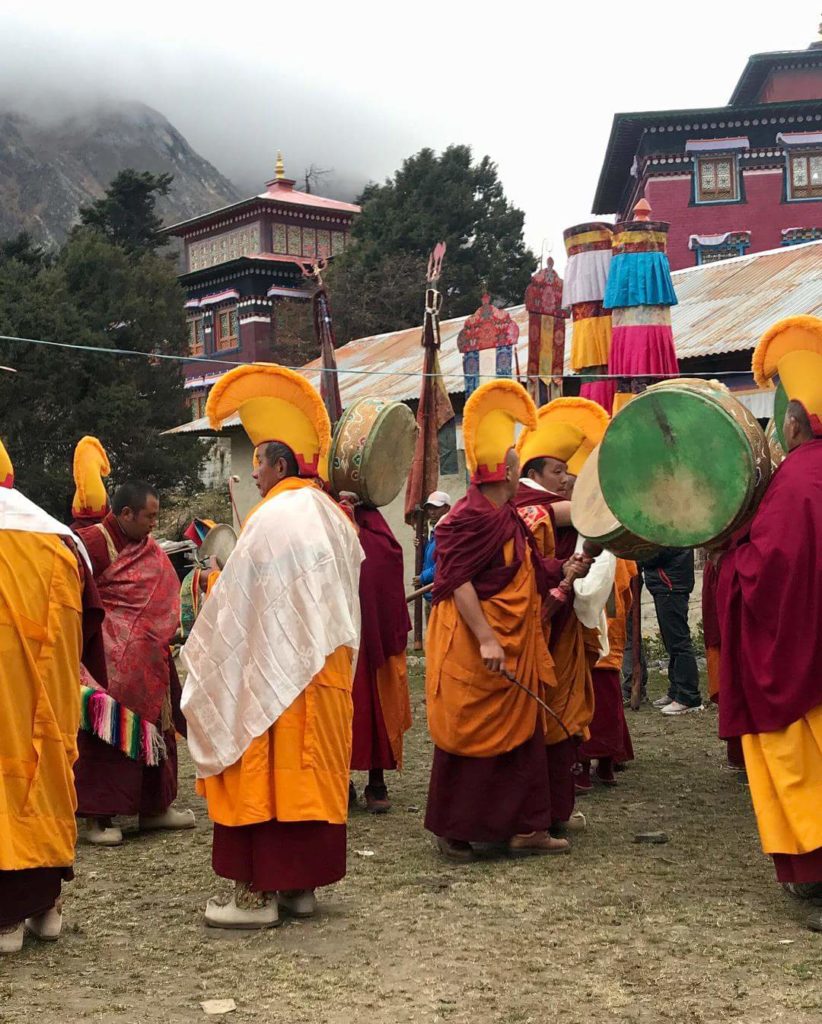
(115,725)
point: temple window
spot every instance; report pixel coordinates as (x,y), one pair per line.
(805,175)
(716,179)
(196,336)
(227,329)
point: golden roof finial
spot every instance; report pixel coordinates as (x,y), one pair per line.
(279,171)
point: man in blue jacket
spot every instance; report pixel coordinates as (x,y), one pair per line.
(437,507)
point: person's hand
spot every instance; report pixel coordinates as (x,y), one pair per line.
(576,567)
(492,654)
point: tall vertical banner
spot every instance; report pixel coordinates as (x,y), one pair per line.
(546,334)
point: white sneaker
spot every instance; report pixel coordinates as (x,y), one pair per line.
(298,902)
(675,708)
(47,926)
(257,910)
(170,819)
(99,835)
(662,702)
(11,938)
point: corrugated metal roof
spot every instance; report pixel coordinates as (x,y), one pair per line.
(723,307)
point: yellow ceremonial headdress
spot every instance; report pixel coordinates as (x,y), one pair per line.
(568,430)
(792,348)
(489,425)
(275,404)
(6,468)
(90,466)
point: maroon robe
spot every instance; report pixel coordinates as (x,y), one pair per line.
(109,783)
(385,628)
(769,603)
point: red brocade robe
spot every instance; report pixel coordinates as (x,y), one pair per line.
(769,604)
(139,591)
(382,709)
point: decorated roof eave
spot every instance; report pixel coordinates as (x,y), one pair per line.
(241,265)
(184,227)
(627,129)
(759,64)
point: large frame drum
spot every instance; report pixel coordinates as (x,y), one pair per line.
(372,450)
(684,464)
(593,519)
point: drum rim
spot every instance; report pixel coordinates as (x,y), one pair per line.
(388,406)
(715,398)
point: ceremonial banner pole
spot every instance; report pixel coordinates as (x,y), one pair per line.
(546,334)
(324,333)
(433,412)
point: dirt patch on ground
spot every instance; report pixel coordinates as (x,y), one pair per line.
(693,931)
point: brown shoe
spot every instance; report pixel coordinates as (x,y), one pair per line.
(537,843)
(455,849)
(376,799)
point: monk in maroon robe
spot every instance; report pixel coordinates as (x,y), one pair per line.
(139,591)
(382,709)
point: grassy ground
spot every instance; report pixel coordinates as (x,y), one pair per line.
(693,931)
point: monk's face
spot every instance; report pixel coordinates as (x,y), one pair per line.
(569,486)
(511,474)
(267,476)
(137,524)
(553,476)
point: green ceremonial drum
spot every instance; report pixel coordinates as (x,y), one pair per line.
(372,450)
(593,519)
(684,464)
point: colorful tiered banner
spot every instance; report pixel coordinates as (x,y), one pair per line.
(546,333)
(488,328)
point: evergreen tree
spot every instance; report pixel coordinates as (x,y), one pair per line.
(429,199)
(100,294)
(126,214)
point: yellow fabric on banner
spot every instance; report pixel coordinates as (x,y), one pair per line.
(40,646)
(626,237)
(587,237)
(591,342)
(785,776)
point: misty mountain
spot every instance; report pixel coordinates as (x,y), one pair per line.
(48,169)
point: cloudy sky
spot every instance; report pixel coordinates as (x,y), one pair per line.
(357,86)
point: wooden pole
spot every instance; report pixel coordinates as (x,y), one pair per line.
(419,554)
(636,642)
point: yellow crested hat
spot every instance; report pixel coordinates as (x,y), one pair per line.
(568,429)
(90,466)
(792,348)
(489,425)
(6,468)
(275,404)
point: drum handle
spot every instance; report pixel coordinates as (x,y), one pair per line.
(513,679)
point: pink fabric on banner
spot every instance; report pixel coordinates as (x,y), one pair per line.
(643,350)
(600,391)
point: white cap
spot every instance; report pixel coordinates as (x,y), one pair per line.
(438,499)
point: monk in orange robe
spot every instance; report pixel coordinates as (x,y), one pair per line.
(382,708)
(41,637)
(270,664)
(769,603)
(488,774)
(564,428)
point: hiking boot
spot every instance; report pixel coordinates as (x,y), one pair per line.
(376,799)
(537,843)
(455,849)
(605,772)
(582,781)
(245,911)
(576,823)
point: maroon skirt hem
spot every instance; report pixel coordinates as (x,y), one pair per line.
(278,855)
(800,867)
(370,745)
(109,783)
(489,799)
(560,761)
(608,726)
(30,892)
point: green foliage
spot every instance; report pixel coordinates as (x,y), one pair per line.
(126,214)
(378,282)
(103,295)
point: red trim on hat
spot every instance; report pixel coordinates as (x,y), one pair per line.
(8,482)
(816,424)
(484,475)
(306,469)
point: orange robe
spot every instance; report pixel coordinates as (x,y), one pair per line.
(40,648)
(472,711)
